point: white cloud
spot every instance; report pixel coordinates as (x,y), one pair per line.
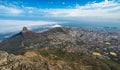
(94,9)
(15,11)
(105,10)
(9,10)
(101,9)
(17,25)
(56,26)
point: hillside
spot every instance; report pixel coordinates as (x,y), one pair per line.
(60,49)
(27,39)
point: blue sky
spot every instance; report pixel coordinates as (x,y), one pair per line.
(35,9)
(58,11)
(47,3)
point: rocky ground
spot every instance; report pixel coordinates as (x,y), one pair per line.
(31,60)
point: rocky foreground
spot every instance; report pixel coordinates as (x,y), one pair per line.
(31,60)
(61,49)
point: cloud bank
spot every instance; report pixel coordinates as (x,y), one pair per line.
(17,25)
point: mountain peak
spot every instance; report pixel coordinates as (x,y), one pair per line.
(25,30)
(28,34)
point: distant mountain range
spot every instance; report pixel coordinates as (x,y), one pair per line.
(61,48)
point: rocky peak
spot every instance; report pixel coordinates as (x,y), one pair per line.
(25,30)
(26,33)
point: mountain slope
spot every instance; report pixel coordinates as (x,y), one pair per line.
(26,38)
(58,49)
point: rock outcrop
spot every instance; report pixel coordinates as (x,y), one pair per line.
(28,61)
(22,62)
(25,30)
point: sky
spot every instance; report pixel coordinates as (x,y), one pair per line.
(37,12)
